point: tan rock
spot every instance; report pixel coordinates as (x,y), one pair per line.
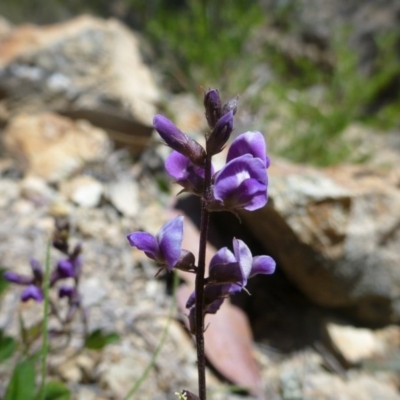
(355,344)
(85,68)
(54,147)
(335,233)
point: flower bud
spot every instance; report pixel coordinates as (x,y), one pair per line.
(212,104)
(13,277)
(179,141)
(220,134)
(231,105)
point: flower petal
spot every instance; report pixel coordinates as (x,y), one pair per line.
(146,242)
(230,186)
(13,277)
(169,239)
(249,143)
(32,292)
(262,265)
(223,256)
(176,165)
(244,257)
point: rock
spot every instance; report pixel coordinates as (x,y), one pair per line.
(123,195)
(336,235)
(355,344)
(84,191)
(9,192)
(86,68)
(36,190)
(54,147)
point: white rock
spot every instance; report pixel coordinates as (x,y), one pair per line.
(83,190)
(124,197)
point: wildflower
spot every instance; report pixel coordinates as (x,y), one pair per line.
(239,266)
(33,283)
(165,247)
(242,182)
(179,141)
(32,292)
(185,173)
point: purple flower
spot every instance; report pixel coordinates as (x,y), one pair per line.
(179,141)
(32,292)
(237,267)
(185,173)
(242,182)
(249,143)
(13,277)
(69,268)
(165,247)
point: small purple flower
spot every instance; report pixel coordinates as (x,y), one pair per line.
(66,291)
(165,247)
(239,266)
(185,173)
(249,143)
(179,141)
(69,268)
(242,182)
(13,277)
(32,292)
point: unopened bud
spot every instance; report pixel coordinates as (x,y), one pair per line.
(212,104)
(220,134)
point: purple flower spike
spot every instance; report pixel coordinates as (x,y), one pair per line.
(179,141)
(242,183)
(13,277)
(249,143)
(165,247)
(32,292)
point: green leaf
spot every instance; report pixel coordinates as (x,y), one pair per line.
(98,339)
(22,382)
(7,346)
(55,390)
(3,283)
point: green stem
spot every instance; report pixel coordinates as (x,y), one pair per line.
(45,336)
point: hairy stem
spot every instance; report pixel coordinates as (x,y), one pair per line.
(201,359)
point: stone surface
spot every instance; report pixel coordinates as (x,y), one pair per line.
(54,147)
(83,190)
(84,68)
(336,235)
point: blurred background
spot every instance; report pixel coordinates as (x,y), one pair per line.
(324,75)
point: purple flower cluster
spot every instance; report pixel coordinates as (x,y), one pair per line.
(240,184)
(68,267)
